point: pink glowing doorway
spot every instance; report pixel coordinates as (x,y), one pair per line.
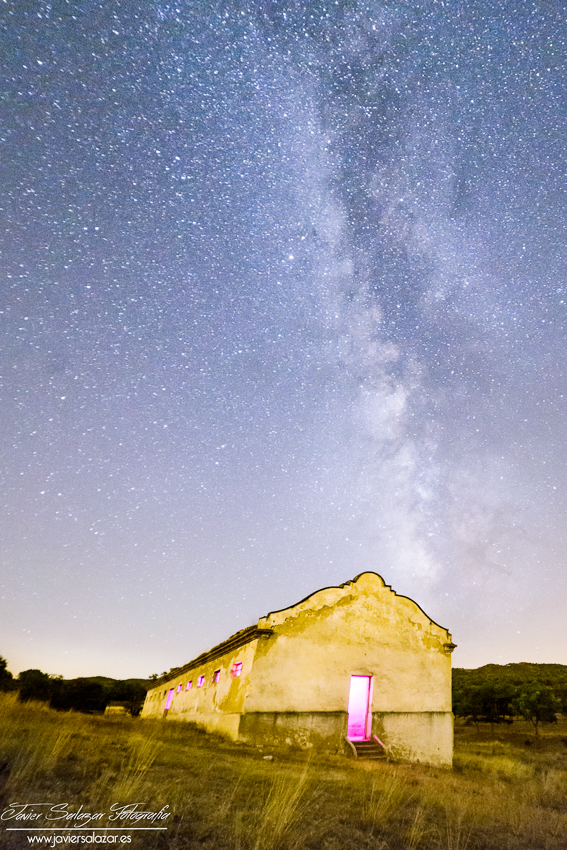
(359,715)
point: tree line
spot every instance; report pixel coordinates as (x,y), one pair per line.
(490,694)
(88,695)
(499,693)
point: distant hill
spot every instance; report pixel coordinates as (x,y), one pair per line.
(553,675)
(90,694)
(106,681)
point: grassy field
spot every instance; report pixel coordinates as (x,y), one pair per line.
(504,793)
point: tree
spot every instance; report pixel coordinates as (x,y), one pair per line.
(6,678)
(467,703)
(489,701)
(79,695)
(132,693)
(536,703)
(496,698)
(561,694)
(35,685)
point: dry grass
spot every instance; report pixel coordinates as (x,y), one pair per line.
(283,812)
(502,795)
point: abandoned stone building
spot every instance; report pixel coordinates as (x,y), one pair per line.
(345,664)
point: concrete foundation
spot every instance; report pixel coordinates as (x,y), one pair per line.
(424,736)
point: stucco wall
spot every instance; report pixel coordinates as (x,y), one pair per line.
(425,736)
(294,686)
(362,628)
(217,706)
(324,730)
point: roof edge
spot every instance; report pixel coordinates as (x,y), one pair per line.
(353,581)
(237,640)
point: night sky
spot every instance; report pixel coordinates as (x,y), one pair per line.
(283,299)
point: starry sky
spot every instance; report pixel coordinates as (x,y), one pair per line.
(282,299)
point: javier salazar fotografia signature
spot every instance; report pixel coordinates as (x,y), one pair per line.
(50,817)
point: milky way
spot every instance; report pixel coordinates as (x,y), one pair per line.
(282,300)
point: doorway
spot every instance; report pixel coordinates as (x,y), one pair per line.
(359,705)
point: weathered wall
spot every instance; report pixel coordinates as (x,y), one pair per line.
(321,729)
(216,707)
(425,736)
(360,628)
(294,686)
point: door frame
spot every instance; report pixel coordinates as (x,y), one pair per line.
(369,694)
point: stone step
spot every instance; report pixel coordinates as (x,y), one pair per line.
(372,748)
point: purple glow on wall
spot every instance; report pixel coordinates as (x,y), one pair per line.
(189,685)
(358,707)
(169,699)
(179,686)
(216,676)
(200,681)
(236,669)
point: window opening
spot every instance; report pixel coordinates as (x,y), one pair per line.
(236,669)
(200,681)
(216,676)
(169,699)
(189,684)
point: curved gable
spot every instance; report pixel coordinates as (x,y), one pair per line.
(365,583)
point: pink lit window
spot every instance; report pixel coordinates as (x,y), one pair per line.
(189,684)
(169,699)
(216,676)
(236,669)
(200,681)
(179,686)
